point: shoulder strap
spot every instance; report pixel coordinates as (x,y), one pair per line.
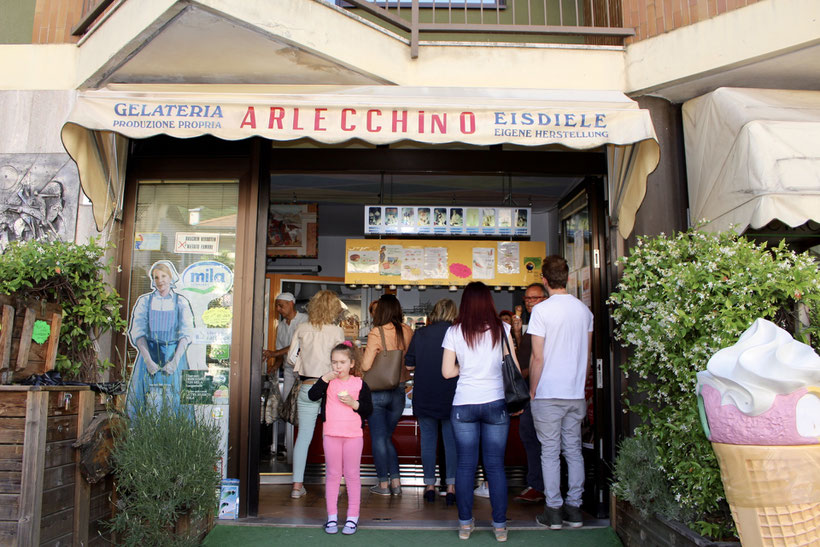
(384,340)
(505,343)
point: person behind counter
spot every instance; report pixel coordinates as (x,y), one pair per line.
(310,355)
(345,403)
(388,405)
(433,397)
(479,414)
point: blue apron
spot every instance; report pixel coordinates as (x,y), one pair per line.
(162,338)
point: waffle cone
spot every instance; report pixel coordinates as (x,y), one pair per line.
(773,492)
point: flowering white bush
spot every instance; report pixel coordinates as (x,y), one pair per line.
(680,300)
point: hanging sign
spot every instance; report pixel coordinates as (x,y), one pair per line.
(447,220)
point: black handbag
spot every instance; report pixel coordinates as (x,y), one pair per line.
(516,390)
(386,370)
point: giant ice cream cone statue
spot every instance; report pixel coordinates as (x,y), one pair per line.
(760,407)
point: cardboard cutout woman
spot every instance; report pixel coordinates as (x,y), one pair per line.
(162,328)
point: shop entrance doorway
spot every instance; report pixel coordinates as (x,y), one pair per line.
(341,181)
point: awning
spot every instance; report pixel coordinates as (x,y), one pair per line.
(753,156)
(579,120)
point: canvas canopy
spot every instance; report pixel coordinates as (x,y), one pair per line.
(580,120)
(753,156)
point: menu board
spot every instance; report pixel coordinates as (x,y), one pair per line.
(443,262)
(447,220)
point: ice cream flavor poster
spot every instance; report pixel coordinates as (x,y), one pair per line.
(359,261)
(390,259)
(435,263)
(483,263)
(508,257)
(412,266)
(505,218)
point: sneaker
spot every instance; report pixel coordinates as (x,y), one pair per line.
(296,494)
(550,518)
(530,495)
(573,517)
(464,530)
(395,490)
(376,489)
(483,490)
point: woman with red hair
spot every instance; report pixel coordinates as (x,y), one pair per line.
(473,352)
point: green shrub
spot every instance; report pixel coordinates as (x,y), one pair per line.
(679,301)
(637,479)
(71,275)
(165,466)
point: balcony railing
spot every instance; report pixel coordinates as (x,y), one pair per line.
(598,22)
(586,21)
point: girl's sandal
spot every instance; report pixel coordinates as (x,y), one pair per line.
(331,527)
(350,528)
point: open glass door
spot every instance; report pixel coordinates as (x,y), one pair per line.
(582,241)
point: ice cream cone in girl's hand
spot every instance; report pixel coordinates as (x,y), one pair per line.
(760,406)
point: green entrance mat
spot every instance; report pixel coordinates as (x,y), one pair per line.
(250,536)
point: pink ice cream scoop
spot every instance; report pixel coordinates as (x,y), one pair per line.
(776,426)
(762,391)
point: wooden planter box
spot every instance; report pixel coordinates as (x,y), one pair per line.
(636,531)
(20,356)
(44,500)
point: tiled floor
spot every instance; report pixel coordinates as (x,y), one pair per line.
(406,511)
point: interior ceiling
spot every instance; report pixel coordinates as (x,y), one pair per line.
(422,189)
(342,197)
(198,46)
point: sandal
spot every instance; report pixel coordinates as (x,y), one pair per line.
(500,534)
(350,528)
(331,527)
(464,530)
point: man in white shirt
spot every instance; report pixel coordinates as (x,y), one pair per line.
(561,329)
(285,306)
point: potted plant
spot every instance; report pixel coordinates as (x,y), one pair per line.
(71,275)
(682,298)
(165,462)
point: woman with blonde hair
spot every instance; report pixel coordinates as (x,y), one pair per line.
(310,356)
(433,397)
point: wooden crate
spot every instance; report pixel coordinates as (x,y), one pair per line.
(44,500)
(20,356)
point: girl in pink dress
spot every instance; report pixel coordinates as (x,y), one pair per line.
(346,404)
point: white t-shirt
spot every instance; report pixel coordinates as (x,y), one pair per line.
(565,323)
(479,368)
(284,331)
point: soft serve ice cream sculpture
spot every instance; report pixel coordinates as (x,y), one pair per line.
(761,400)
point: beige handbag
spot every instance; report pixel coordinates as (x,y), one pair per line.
(386,370)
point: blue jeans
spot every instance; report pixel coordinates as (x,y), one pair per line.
(387,408)
(429,448)
(487,425)
(307,412)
